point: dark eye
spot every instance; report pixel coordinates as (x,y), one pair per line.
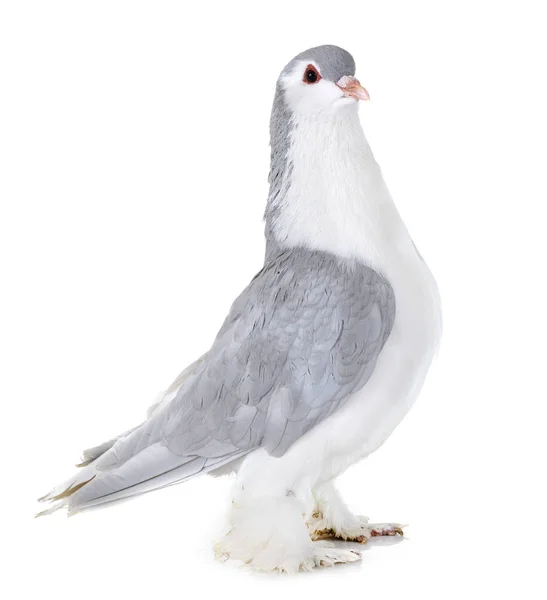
(311,75)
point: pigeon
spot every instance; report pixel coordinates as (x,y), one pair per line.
(319,358)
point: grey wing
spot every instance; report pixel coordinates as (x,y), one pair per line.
(303,337)
(91,454)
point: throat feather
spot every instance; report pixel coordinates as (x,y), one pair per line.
(330,194)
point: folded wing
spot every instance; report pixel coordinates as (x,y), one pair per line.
(303,336)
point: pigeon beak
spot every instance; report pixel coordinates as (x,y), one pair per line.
(352,88)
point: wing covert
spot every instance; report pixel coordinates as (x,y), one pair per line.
(303,336)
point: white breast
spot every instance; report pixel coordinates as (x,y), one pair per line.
(336,201)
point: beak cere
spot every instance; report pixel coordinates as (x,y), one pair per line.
(352,88)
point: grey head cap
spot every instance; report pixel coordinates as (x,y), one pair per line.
(333,62)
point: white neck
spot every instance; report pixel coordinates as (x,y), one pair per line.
(335,198)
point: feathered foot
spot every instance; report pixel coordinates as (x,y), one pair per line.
(269,535)
(319,554)
(327,555)
(359,529)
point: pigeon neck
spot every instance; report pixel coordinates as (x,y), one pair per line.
(327,192)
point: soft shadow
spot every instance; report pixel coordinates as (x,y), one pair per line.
(372,543)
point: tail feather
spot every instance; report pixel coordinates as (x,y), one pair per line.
(70,490)
(64,491)
(55,506)
(152,469)
(193,468)
(104,478)
(92,454)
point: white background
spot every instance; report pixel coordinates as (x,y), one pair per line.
(134,158)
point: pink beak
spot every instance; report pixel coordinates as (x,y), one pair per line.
(352,88)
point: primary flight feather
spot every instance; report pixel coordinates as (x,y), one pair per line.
(319,357)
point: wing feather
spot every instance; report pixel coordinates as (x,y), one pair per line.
(297,343)
(304,335)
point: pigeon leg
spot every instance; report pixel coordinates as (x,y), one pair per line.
(266,529)
(359,532)
(331,518)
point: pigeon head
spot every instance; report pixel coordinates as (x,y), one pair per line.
(314,122)
(320,79)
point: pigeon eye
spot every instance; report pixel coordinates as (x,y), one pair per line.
(311,75)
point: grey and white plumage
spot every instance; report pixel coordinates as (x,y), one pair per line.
(300,345)
(337,63)
(302,337)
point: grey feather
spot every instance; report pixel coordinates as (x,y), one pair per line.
(333,62)
(298,342)
(303,336)
(91,454)
(281,125)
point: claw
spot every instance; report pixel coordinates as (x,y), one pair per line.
(353,535)
(388,532)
